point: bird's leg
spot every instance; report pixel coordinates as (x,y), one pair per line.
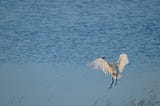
(116,82)
(111,83)
(116,79)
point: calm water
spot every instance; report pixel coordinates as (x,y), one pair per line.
(45,45)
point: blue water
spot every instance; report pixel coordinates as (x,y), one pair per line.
(45,45)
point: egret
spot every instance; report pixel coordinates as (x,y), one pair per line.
(114,69)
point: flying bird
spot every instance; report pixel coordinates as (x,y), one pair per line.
(114,69)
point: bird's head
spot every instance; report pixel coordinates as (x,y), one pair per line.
(103,57)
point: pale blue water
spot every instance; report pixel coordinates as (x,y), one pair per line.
(45,45)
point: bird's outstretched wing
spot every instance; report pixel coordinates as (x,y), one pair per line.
(122,61)
(100,64)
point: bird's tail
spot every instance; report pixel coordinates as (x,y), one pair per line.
(117,77)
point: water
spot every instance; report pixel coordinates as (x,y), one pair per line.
(45,45)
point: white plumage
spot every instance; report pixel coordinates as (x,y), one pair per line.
(110,68)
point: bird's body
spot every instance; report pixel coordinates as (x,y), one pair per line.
(110,68)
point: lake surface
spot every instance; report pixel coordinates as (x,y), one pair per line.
(45,45)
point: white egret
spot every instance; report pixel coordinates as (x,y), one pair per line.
(110,68)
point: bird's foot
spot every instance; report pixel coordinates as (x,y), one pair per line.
(110,87)
(115,84)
